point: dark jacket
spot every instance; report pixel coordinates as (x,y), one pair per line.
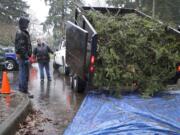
(23,44)
(42,52)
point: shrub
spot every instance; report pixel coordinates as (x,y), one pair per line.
(133,51)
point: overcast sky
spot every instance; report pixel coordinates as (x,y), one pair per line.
(95,2)
(38,9)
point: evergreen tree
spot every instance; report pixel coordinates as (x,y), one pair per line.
(165,10)
(60,11)
(10,10)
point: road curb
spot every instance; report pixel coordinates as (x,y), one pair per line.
(10,125)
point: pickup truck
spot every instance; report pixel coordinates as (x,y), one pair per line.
(81,45)
(60,58)
(11,60)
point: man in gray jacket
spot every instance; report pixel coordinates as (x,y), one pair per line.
(41,52)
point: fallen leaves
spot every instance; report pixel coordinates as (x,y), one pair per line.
(33,125)
(38,123)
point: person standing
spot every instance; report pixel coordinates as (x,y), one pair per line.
(41,52)
(23,51)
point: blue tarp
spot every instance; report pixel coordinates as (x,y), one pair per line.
(131,115)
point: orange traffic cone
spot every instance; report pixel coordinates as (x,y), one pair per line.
(5,89)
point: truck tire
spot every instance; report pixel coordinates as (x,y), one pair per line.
(67,70)
(55,66)
(78,84)
(71,81)
(75,84)
(10,64)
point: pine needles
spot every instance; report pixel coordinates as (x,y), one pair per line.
(133,51)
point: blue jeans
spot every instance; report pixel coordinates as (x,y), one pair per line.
(23,75)
(43,65)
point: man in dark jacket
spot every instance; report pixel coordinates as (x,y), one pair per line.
(41,52)
(23,52)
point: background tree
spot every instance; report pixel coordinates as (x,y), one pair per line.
(62,10)
(59,12)
(10,10)
(165,10)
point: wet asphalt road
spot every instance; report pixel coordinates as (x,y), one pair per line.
(54,99)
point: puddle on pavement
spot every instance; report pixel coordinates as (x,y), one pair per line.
(54,99)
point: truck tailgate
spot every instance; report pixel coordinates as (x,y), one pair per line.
(76,44)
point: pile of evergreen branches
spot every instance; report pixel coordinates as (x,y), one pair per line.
(133,51)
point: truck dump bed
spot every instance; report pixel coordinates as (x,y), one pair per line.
(85,72)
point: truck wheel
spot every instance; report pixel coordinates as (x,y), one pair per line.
(55,66)
(78,85)
(75,84)
(71,81)
(10,65)
(67,70)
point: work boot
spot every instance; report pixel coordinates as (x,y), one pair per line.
(49,79)
(29,95)
(42,80)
